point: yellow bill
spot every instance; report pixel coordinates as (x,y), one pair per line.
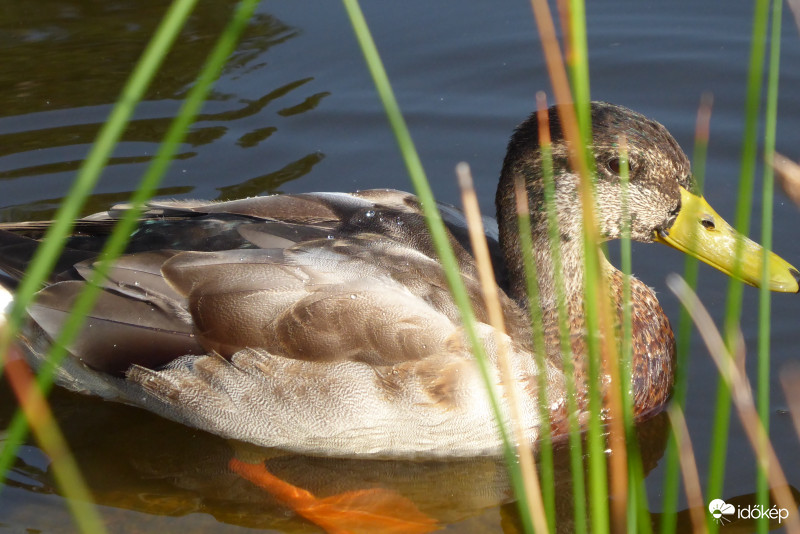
(700,232)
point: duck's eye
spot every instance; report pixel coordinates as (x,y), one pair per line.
(614,165)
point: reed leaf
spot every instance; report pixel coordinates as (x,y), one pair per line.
(88,175)
(731,371)
(480,247)
(637,513)
(767,195)
(670,488)
(539,349)
(733,307)
(440,241)
(123,229)
(575,440)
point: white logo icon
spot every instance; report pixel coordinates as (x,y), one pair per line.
(719,509)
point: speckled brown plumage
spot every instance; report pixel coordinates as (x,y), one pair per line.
(658,167)
(322,322)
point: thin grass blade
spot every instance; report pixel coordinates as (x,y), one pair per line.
(483,259)
(719,442)
(767,195)
(742,398)
(669,501)
(575,441)
(439,237)
(88,175)
(118,239)
(65,468)
(691,478)
(539,351)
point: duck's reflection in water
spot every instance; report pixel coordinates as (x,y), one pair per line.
(137,461)
(134,460)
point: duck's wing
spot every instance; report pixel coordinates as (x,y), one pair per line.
(315,301)
(286,220)
(137,319)
(318,277)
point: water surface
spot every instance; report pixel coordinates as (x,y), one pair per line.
(295,111)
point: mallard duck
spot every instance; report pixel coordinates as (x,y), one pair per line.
(321,323)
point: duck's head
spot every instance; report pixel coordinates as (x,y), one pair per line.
(663,203)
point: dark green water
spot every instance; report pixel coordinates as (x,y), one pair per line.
(296,111)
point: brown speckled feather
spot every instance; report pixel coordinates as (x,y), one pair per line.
(322,322)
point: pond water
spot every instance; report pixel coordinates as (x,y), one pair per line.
(296,111)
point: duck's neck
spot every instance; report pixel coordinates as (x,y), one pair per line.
(566,271)
(652,340)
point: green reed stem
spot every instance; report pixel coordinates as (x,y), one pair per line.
(68,476)
(53,242)
(579,66)
(575,441)
(638,511)
(626,341)
(763,387)
(598,476)
(65,469)
(598,479)
(719,442)
(626,349)
(116,243)
(672,472)
(547,471)
(440,241)
(47,253)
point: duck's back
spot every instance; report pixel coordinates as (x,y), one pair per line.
(303,300)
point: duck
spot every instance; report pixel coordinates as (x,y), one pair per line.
(322,324)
